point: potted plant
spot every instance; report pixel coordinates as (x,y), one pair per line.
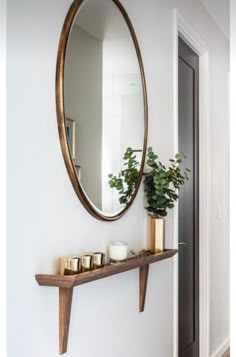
(161,185)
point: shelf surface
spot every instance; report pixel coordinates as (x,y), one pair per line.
(69,281)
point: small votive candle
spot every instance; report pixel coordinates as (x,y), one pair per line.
(118,251)
(87,262)
(69,265)
(98,260)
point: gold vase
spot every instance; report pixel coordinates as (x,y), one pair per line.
(157,235)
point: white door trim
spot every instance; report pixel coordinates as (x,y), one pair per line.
(182,28)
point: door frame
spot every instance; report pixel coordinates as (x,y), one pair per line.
(182,28)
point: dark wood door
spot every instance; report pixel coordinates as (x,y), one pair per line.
(189,203)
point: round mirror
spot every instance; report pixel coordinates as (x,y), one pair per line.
(101,106)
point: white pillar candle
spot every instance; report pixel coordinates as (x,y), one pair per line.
(118,251)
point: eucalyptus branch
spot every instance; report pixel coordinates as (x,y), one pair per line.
(127,178)
(161,184)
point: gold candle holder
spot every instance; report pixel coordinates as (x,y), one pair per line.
(69,265)
(98,260)
(86,262)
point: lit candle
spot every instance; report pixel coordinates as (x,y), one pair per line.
(118,251)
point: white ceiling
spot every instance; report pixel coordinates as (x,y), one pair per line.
(220,11)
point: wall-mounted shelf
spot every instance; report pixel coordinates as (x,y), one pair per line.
(67,283)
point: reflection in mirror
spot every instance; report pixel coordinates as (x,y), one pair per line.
(70,132)
(103,100)
(126,181)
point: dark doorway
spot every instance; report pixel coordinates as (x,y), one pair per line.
(189,203)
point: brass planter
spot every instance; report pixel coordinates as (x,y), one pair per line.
(157,235)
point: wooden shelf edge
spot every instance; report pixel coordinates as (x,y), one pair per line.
(63,281)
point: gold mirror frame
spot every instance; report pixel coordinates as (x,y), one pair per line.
(61,112)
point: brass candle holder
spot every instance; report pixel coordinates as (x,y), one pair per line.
(98,260)
(86,262)
(69,265)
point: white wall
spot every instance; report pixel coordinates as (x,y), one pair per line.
(46,220)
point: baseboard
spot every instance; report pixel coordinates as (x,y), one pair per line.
(222,349)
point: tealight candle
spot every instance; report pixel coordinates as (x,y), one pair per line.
(118,251)
(69,265)
(87,262)
(98,260)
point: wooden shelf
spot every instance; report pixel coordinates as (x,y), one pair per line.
(67,283)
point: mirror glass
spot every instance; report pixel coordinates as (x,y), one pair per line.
(103,100)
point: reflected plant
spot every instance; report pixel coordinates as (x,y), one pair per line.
(161,184)
(127,178)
